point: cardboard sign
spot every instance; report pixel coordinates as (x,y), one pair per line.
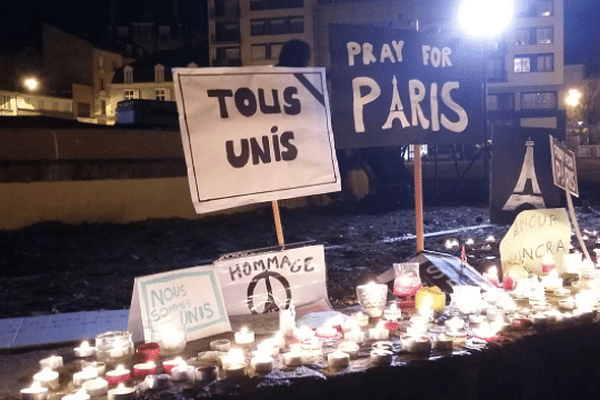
(395,87)
(564,168)
(189,297)
(533,234)
(255,134)
(270,281)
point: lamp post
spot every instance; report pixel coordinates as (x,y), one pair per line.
(31,83)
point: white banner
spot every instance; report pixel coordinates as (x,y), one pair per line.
(271,281)
(188,298)
(255,134)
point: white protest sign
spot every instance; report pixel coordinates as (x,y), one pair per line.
(564,168)
(533,234)
(271,281)
(255,134)
(189,297)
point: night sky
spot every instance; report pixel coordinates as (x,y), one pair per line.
(582,21)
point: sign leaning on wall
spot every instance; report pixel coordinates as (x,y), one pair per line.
(255,134)
(394,87)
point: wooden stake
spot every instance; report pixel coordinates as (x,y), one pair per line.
(278,228)
(576,225)
(418,199)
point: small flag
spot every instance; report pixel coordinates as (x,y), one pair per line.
(463,256)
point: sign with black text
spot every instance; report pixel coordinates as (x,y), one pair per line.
(270,281)
(564,167)
(255,134)
(394,87)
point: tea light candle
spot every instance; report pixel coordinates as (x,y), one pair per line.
(262,363)
(355,335)
(234,363)
(141,370)
(99,366)
(148,352)
(349,347)
(379,332)
(119,349)
(52,362)
(96,387)
(47,378)
(86,374)
(293,358)
(182,372)
(338,359)
(222,345)
(381,356)
(361,318)
(287,321)
(168,365)
(84,350)
(326,332)
(547,263)
(392,313)
(312,350)
(206,373)
(80,394)
(121,392)
(244,336)
(118,375)
(34,392)
(303,333)
(157,382)
(552,282)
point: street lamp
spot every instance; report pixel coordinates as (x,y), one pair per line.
(31,83)
(573,97)
(484,19)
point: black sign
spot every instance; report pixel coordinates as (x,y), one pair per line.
(393,87)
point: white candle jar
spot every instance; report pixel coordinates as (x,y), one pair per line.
(114,347)
(372,297)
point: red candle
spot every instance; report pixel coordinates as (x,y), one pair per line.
(118,375)
(148,352)
(141,370)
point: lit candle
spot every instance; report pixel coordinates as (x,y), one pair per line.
(338,359)
(80,394)
(168,365)
(84,350)
(96,387)
(551,281)
(416,344)
(52,362)
(244,336)
(379,332)
(182,372)
(119,349)
(222,345)
(355,335)
(99,366)
(157,382)
(121,392)
(349,347)
(287,320)
(312,350)
(547,263)
(34,392)
(86,374)
(172,340)
(381,356)
(47,378)
(454,324)
(293,358)
(372,297)
(148,352)
(303,333)
(361,318)
(234,363)
(118,375)
(326,332)
(206,373)
(141,370)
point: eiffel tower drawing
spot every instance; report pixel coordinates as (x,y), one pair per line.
(519,195)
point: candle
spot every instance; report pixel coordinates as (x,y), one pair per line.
(293,358)
(326,332)
(349,347)
(156,382)
(34,392)
(121,393)
(80,394)
(244,336)
(551,281)
(287,321)
(393,313)
(361,318)
(99,366)
(312,350)
(381,356)
(168,365)
(206,373)
(118,375)
(148,352)
(416,344)
(338,359)
(262,363)
(84,350)
(234,363)
(47,378)
(454,324)
(96,387)
(52,362)
(372,297)
(141,370)
(379,332)
(182,372)
(86,374)
(355,335)
(222,345)
(547,263)
(303,333)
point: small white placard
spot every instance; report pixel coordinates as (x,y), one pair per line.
(271,281)
(191,297)
(533,234)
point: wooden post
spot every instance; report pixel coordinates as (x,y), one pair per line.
(576,225)
(278,227)
(418,199)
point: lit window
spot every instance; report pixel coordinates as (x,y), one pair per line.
(160,94)
(538,100)
(522,64)
(129,95)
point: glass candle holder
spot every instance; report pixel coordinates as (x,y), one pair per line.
(114,347)
(372,298)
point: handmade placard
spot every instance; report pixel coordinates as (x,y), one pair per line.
(270,281)
(187,298)
(564,167)
(255,134)
(533,234)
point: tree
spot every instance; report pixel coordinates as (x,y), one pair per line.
(588,108)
